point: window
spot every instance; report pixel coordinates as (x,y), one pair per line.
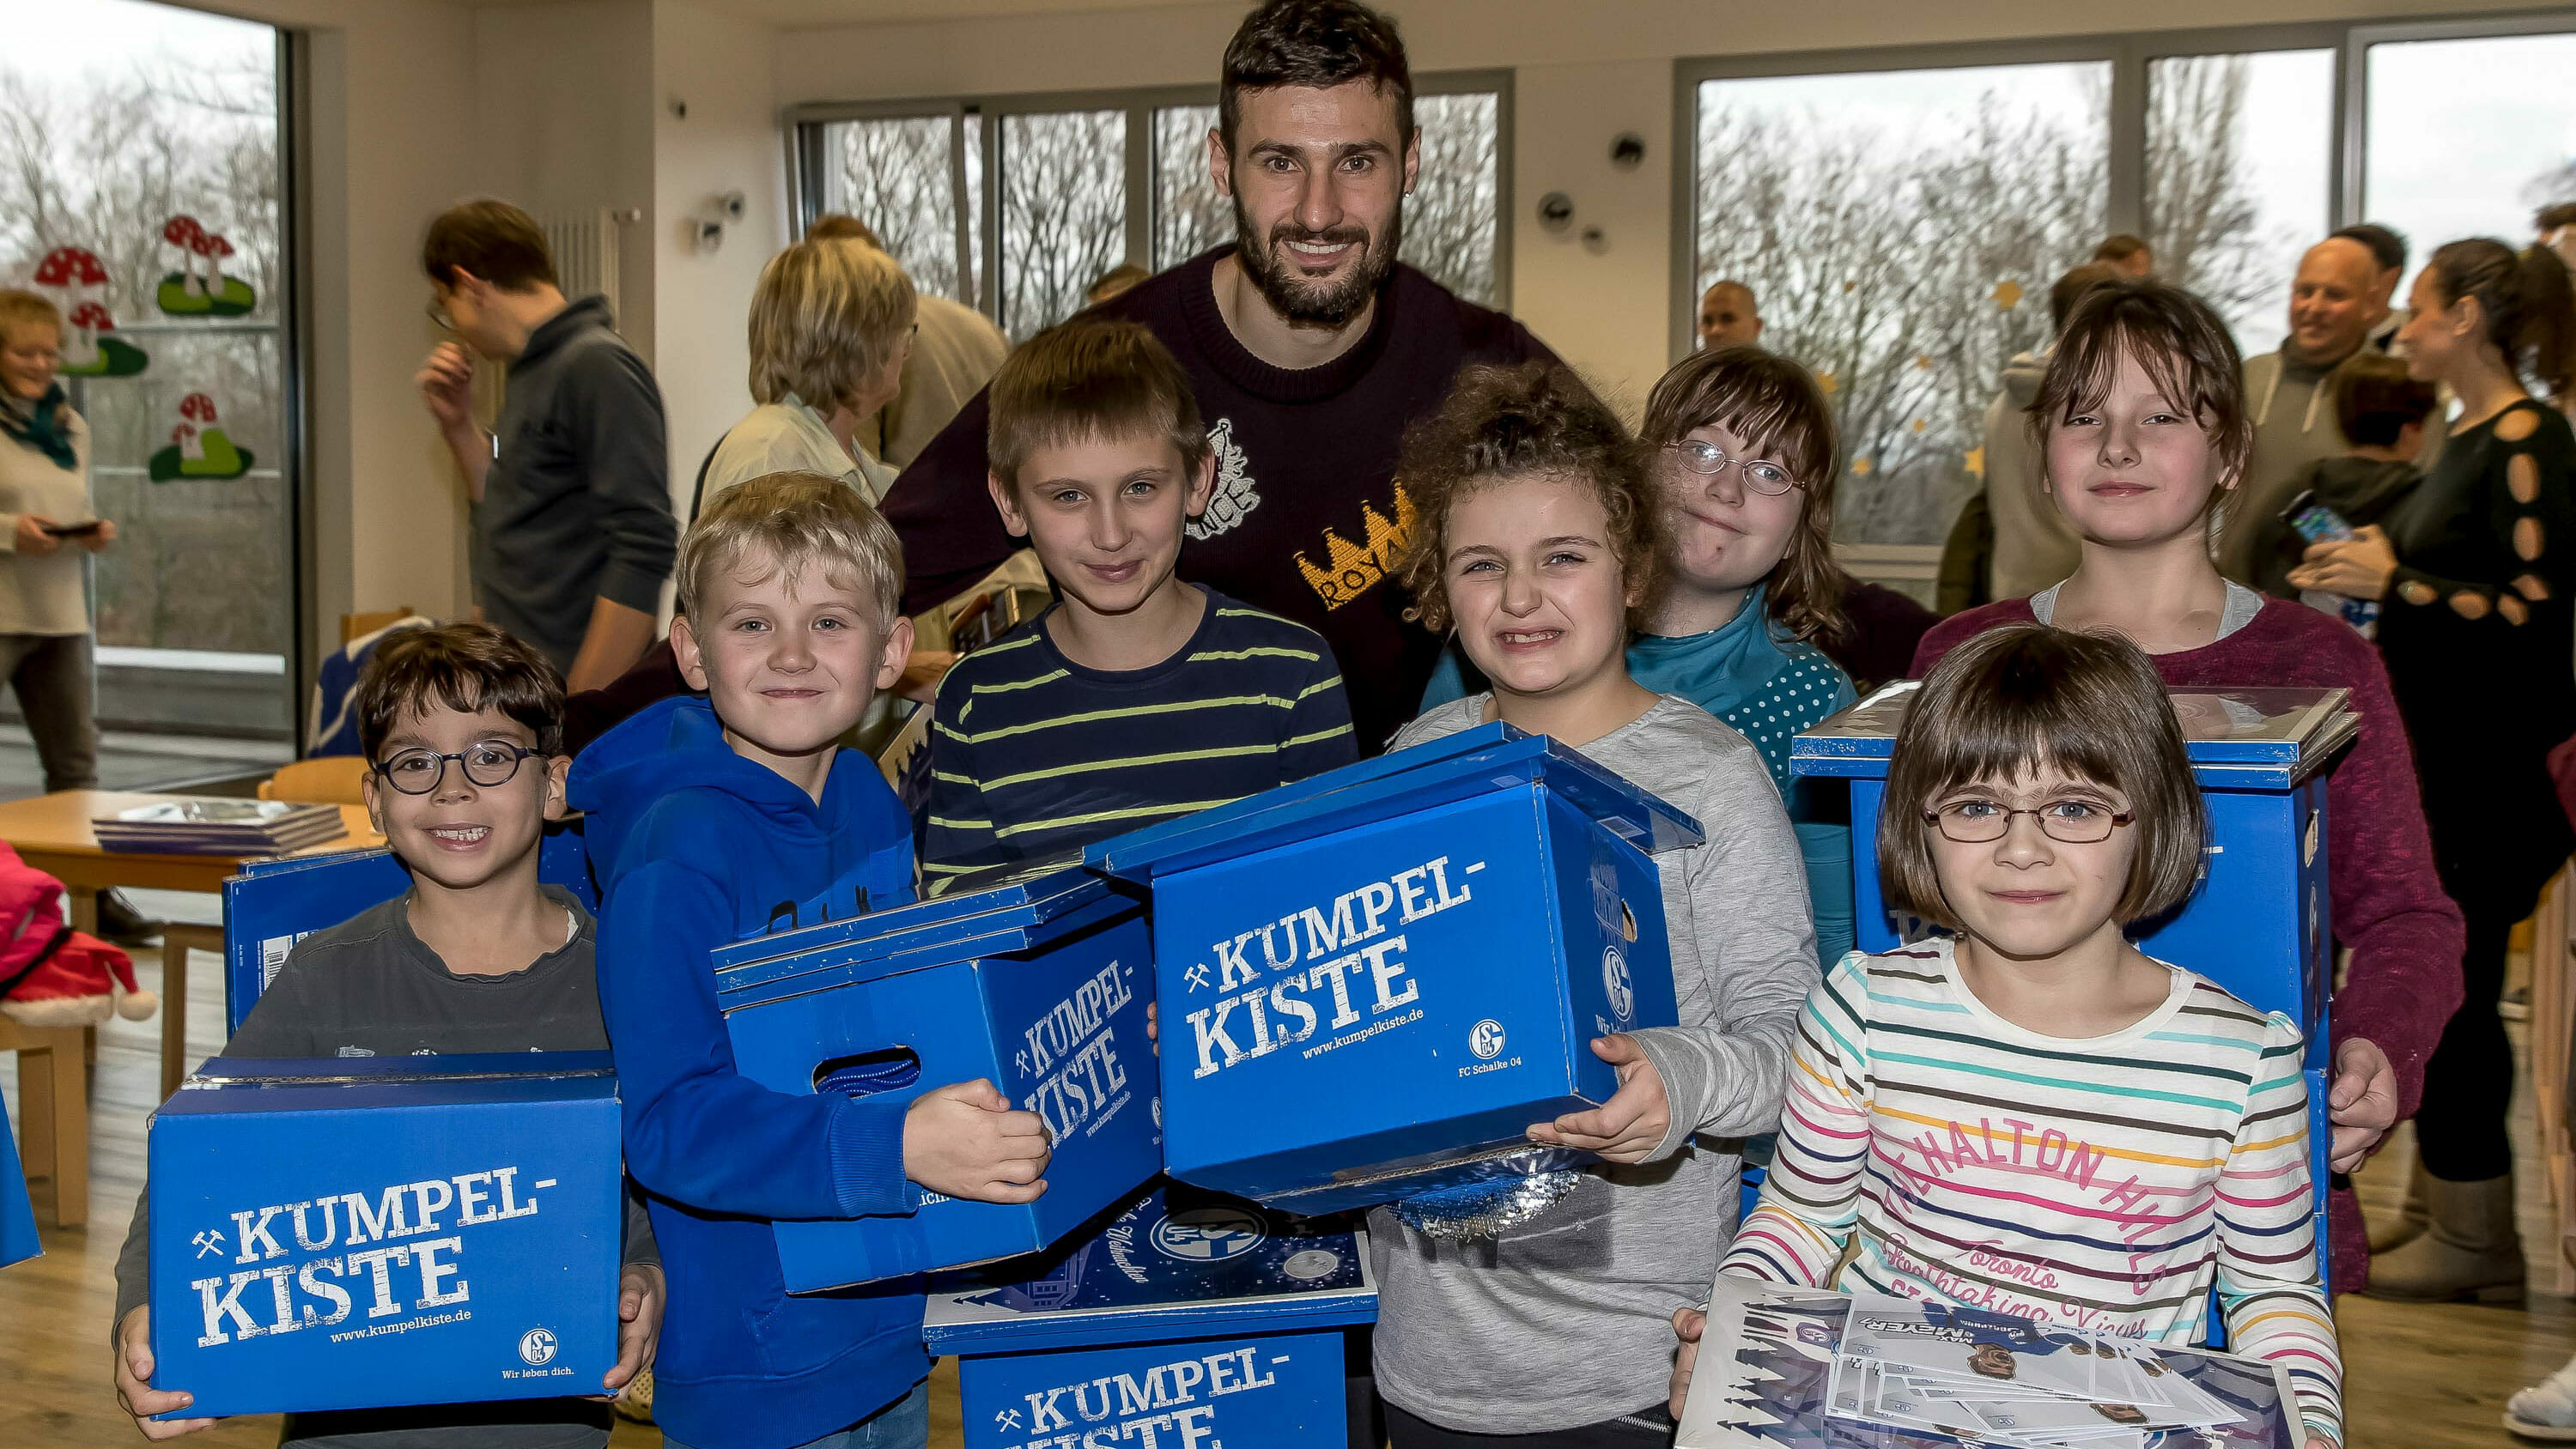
(904,174)
(1082,183)
(1899,230)
(2466,137)
(200,584)
(1064,212)
(2240,152)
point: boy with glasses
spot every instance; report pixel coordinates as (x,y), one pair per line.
(462,726)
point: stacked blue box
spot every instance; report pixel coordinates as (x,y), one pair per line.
(1379,977)
(2257,923)
(273,904)
(18,1240)
(375,1232)
(1189,1319)
(1037,984)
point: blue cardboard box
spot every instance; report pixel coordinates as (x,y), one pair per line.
(275,903)
(1376,979)
(1038,984)
(2257,923)
(1188,1319)
(18,1240)
(373,1232)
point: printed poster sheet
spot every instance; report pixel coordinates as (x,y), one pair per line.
(1786,1366)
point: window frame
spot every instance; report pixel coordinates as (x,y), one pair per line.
(2129,53)
(802,126)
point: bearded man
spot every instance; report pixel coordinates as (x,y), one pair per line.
(1309,346)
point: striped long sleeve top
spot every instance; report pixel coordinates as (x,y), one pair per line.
(1032,754)
(2104,1183)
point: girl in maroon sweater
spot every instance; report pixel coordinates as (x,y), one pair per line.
(2142,421)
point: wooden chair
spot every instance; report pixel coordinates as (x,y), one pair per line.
(326,780)
(359,626)
(53,1117)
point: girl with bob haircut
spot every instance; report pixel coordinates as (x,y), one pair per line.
(1739,455)
(1534,534)
(831,324)
(2476,571)
(2141,427)
(2121,1135)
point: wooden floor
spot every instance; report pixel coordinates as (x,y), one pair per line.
(2420,1378)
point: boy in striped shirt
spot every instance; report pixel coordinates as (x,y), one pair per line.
(1137,696)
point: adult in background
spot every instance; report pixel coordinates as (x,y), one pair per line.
(2127,255)
(1309,347)
(2555,227)
(2476,571)
(831,326)
(2293,408)
(2387,247)
(2034,545)
(1728,317)
(955,352)
(47,523)
(573,534)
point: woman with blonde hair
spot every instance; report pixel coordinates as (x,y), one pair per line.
(831,322)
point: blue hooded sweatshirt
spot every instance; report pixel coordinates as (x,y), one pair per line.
(696,847)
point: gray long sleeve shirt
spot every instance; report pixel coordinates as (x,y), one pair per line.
(371,987)
(1567,1321)
(577,505)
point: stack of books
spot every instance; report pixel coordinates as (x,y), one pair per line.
(218,827)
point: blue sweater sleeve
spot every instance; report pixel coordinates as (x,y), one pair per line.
(697,1131)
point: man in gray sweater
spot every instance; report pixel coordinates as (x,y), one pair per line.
(2331,308)
(573,533)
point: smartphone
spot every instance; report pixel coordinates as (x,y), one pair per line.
(72,530)
(2314,521)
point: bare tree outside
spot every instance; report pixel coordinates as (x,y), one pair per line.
(2235,192)
(1189,217)
(1905,267)
(100,160)
(1064,212)
(1450,218)
(898,176)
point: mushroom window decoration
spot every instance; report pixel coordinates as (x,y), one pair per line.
(184,293)
(77,282)
(198,448)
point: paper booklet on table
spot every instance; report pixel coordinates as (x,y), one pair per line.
(1801,1366)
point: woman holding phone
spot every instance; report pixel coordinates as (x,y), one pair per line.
(46,521)
(2475,572)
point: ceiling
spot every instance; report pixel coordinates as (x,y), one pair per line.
(848,12)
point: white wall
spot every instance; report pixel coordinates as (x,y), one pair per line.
(563,122)
(729,141)
(1584,72)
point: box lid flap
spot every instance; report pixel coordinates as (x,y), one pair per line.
(2284,728)
(1178,1262)
(378,1071)
(979,915)
(1455,767)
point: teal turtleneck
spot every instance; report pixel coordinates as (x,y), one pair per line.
(1767,687)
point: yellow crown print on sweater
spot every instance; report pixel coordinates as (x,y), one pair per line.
(1353,569)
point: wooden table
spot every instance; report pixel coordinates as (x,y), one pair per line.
(52,833)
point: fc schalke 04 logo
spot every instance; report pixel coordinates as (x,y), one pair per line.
(536,1346)
(1485,1039)
(1208,1235)
(1614,979)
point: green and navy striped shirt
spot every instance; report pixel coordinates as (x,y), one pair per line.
(1032,754)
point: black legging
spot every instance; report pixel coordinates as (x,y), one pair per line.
(2460,1131)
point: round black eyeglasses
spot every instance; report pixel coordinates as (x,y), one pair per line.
(490,764)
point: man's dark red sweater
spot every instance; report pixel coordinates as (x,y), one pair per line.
(2388,909)
(1306,521)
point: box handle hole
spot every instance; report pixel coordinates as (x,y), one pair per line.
(868,1073)
(1627,922)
